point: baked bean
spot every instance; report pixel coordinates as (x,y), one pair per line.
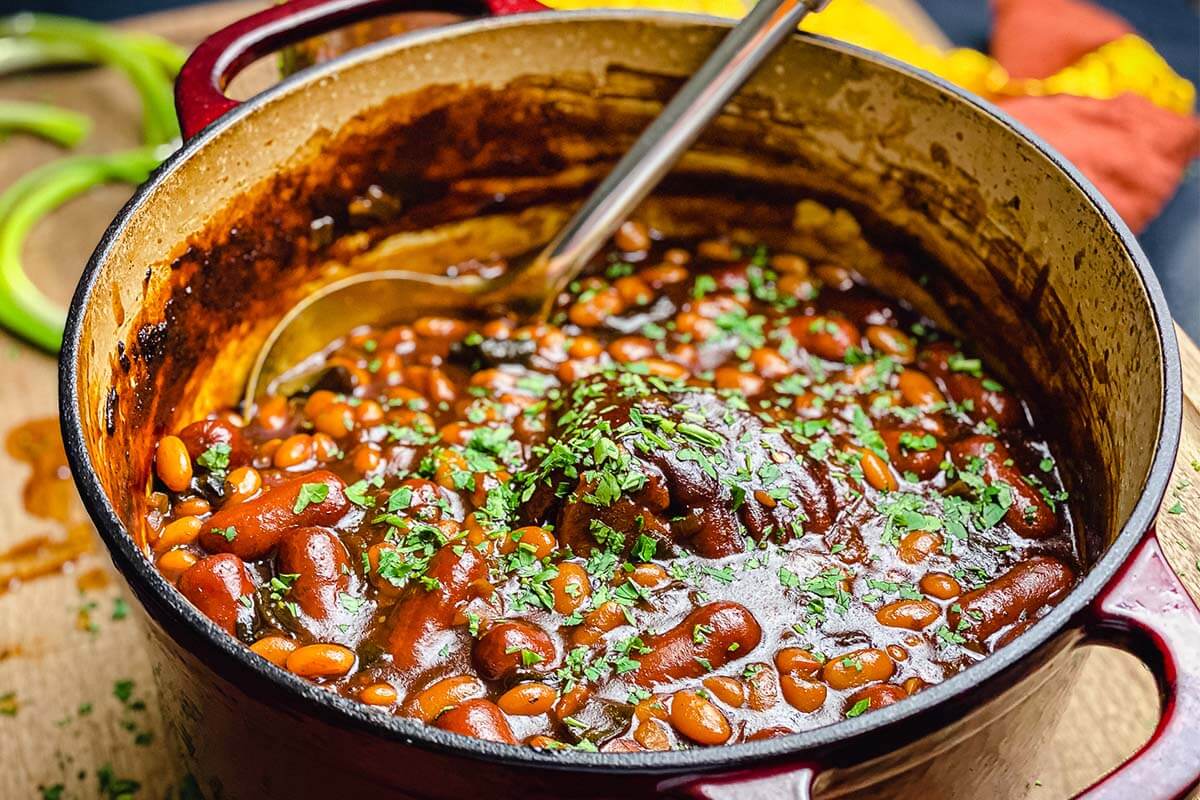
(173,563)
(736,380)
(511,647)
(321,565)
(648,575)
(527,699)
(857,668)
(698,719)
(242,484)
(250,530)
(596,309)
(1020,593)
(631,348)
(173,464)
(827,337)
(192,507)
(632,237)
(379,694)
(663,369)
(769,364)
(892,342)
(729,691)
(913,685)
(652,735)
(877,472)
(919,390)
(789,264)
(216,585)
(911,614)
(321,661)
(664,275)
(802,694)
(877,696)
(422,614)
(897,652)
(294,451)
(179,532)
(633,290)
(443,695)
(1030,515)
(441,327)
(480,718)
(317,402)
(798,660)
(940,585)
(337,421)
(716,633)
(571,587)
(275,649)
(916,546)
(271,413)
(606,617)
(585,347)
(537,540)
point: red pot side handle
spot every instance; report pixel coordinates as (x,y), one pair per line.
(1147,611)
(200,88)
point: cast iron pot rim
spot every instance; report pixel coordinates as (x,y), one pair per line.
(236,660)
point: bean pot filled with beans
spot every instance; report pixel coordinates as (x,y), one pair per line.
(815,481)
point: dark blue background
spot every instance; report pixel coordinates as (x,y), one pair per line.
(1172,242)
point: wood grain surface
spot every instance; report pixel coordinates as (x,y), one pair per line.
(77,705)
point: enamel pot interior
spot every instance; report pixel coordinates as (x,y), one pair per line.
(487,133)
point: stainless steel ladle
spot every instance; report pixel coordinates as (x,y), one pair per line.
(373,297)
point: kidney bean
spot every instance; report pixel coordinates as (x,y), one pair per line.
(802,694)
(923,463)
(911,614)
(441,695)
(827,337)
(480,718)
(215,585)
(201,436)
(513,646)
(996,404)
(1030,515)
(698,719)
(421,614)
(259,523)
(717,633)
(1018,594)
(877,696)
(858,668)
(319,560)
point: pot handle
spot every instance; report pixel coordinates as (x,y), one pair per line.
(1146,611)
(200,88)
(793,782)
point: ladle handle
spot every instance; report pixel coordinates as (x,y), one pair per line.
(672,132)
(200,88)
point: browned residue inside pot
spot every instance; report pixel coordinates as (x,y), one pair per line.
(48,494)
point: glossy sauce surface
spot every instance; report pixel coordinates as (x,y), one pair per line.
(724,495)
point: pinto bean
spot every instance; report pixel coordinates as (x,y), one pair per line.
(421,615)
(258,524)
(509,647)
(827,337)
(1030,515)
(200,437)
(906,449)
(442,695)
(939,359)
(911,614)
(877,696)
(858,668)
(717,633)
(480,718)
(319,560)
(216,585)
(1018,594)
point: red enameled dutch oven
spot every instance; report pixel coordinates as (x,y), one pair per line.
(1016,249)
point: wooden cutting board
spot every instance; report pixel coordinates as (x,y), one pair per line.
(77,703)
